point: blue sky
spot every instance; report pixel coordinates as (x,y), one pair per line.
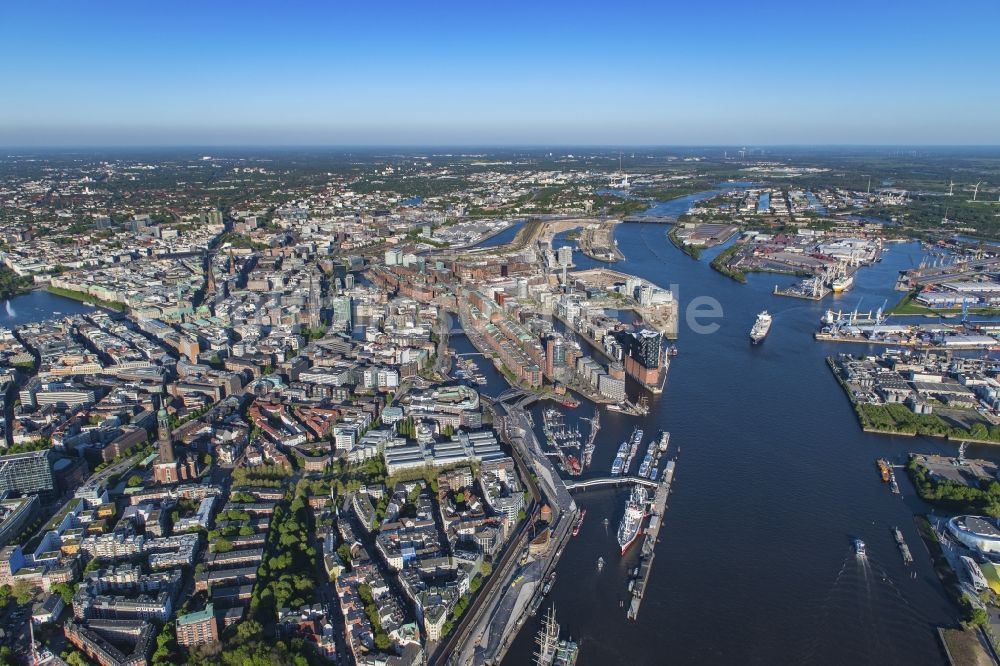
(218,73)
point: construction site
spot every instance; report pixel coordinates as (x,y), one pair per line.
(655,305)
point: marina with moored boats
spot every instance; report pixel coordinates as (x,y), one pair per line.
(564,442)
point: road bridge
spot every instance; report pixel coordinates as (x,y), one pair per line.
(651,219)
(512,394)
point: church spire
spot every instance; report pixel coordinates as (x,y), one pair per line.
(210,278)
(164,437)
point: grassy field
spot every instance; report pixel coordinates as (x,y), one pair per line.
(898,418)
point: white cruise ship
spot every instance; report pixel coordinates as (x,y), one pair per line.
(760,327)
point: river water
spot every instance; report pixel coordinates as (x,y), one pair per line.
(774,480)
(504,237)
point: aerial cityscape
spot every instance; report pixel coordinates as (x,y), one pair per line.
(423,348)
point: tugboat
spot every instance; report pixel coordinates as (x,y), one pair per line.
(859,549)
(600,564)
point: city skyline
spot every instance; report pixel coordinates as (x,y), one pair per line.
(355,334)
(259,74)
(385,406)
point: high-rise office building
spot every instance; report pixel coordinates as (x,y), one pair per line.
(342,313)
(565,254)
(29,472)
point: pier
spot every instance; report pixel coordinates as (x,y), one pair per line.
(904,550)
(810,292)
(649,543)
(588,448)
(485,634)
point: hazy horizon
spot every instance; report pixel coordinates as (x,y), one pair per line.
(256,73)
(537,147)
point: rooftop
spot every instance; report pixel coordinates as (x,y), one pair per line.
(200,616)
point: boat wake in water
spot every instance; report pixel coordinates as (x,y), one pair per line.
(879,616)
